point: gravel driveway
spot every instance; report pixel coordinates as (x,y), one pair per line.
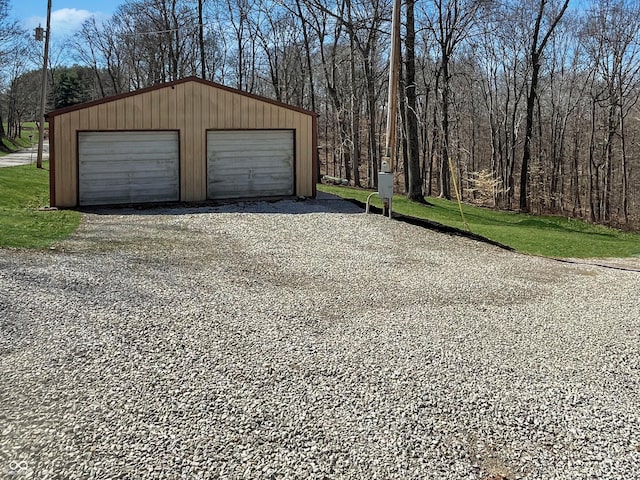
(320,343)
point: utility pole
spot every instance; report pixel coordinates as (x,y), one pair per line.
(203,64)
(392,103)
(43,98)
(385,176)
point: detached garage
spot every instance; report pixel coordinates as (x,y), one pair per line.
(189,140)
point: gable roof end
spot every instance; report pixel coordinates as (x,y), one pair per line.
(159,86)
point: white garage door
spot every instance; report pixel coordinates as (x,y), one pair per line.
(249,163)
(128,167)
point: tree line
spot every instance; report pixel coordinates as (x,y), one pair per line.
(527,105)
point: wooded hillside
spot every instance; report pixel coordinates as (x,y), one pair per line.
(534,101)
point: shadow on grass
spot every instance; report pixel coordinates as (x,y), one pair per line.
(436,226)
(542,224)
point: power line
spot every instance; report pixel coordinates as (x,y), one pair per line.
(159,32)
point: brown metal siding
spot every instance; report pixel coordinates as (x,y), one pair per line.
(192,107)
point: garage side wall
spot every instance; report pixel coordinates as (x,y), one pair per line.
(191,108)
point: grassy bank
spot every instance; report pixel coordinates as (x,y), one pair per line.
(549,236)
(23,190)
(13,145)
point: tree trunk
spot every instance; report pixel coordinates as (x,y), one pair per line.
(414,177)
(575,178)
(445,187)
(526,156)
(608,165)
(536,53)
(371,112)
(402,103)
(3,133)
(307,48)
(625,172)
(593,180)
(355,104)
(435,138)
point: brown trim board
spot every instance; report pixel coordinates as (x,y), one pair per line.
(52,163)
(315,165)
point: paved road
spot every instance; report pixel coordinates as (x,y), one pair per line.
(24,157)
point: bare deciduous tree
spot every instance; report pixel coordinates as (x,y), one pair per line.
(545,21)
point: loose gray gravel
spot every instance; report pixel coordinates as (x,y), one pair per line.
(306,340)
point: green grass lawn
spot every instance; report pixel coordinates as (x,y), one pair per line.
(549,236)
(23,189)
